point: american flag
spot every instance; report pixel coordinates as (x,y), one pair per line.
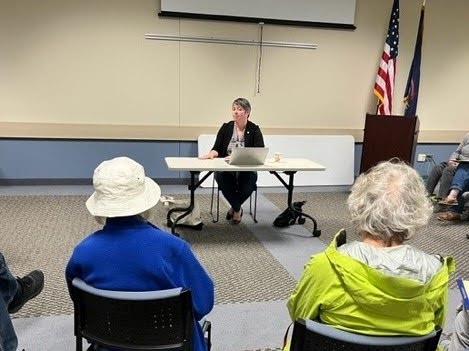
(384,85)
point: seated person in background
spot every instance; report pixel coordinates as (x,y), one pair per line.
(131,254)
(455,198)
(460,337)
(15,292)
(240,132)
(442,172)
(380,285)
(461,153)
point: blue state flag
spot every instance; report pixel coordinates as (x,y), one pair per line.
(411,94)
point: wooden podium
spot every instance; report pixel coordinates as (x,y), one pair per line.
(386,137)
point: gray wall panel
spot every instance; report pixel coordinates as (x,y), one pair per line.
(36,159)
(76,159)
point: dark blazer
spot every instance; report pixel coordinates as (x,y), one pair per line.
(252,137)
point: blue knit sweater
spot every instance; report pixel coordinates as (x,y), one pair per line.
(130,254)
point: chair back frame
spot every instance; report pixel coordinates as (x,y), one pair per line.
(154,320)
(310,335)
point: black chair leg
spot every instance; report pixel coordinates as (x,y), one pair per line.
(79,344)
(215,220)
(253,214)
(207,329)
(218,204)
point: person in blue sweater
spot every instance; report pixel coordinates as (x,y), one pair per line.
(131,254)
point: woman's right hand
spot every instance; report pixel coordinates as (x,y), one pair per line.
(211,155)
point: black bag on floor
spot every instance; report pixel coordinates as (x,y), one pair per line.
(289,217)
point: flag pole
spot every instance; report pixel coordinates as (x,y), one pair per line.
(384,83)
(413,80)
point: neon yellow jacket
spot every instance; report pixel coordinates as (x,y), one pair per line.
(350,295)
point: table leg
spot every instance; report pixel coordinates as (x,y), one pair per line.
(186,210)
(290,186)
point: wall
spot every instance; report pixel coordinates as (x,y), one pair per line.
(42,161)
(82,69)
(46,161)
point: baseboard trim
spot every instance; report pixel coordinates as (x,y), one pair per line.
(80,181)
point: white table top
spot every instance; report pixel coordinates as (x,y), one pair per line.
(219,164)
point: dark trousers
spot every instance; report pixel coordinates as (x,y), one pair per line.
(461,183)
(8,290)
(236,186)
(442,173)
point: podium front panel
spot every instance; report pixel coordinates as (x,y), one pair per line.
(386,137)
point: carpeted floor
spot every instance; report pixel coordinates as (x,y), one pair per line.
(330,211)
(41,231)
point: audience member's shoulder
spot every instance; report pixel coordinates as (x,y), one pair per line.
(88,241)
(435,260)
(356,248)
(166,236)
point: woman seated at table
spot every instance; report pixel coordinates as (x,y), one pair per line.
(240,132)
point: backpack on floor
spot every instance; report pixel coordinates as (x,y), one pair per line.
(289,217)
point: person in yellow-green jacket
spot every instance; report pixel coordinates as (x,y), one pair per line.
(380,285)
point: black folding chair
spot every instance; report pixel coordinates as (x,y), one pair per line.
(150,320)
(310,335)
(216,217)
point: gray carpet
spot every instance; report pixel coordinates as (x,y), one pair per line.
(330,211)
(41,231)
(236,326)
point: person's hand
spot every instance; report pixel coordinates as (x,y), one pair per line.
(452,162)
(212,154)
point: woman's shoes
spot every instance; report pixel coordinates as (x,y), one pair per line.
(449,216)
(229,214)
(448,202)
(237,221)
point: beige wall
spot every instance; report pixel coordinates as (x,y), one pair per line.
(83,69)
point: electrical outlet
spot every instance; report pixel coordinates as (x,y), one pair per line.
(421,157)
(428,157)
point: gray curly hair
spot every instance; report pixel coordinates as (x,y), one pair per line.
(389,201)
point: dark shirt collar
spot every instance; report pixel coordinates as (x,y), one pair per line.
(128,221)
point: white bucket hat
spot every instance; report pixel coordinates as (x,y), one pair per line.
(122,189)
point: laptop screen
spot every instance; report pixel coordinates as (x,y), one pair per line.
(248,156)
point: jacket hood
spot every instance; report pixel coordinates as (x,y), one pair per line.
(381,293)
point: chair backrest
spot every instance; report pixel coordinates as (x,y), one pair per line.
(310,335)
(153,320)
